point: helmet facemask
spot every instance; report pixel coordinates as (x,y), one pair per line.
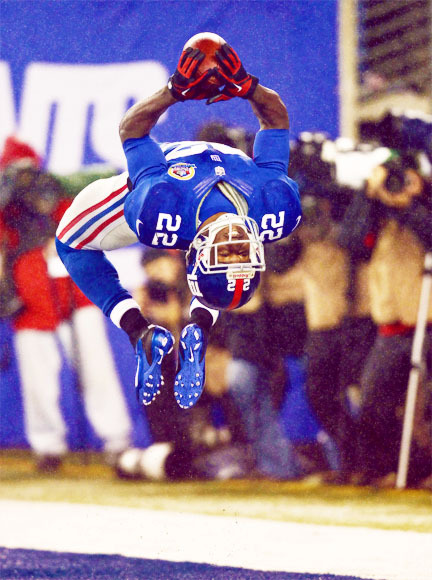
(240,230)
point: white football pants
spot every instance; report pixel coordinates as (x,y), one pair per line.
(40,363)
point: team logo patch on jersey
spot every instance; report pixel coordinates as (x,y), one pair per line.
(182,171)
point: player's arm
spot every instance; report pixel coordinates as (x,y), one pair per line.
(185,84)
(269,108)
(143,116)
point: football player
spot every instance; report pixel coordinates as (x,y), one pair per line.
(210,200)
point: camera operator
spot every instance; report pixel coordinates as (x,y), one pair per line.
(336,316)
(390,225)
(339,330)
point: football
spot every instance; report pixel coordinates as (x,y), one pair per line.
(208,43)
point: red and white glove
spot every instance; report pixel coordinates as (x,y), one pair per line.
(185,84)
(238,83)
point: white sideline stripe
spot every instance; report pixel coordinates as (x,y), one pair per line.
(218,540)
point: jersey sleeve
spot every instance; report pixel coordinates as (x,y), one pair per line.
(145,158)
(271,149)
(96,277)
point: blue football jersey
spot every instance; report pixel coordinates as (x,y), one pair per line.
(174,185)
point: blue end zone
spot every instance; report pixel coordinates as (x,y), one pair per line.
(41,564)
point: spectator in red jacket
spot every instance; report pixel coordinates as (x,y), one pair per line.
(56,317)
(51,317)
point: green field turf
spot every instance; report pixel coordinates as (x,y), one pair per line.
(85,479)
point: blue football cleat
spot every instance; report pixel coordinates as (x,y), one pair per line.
(189,381)
(150,350)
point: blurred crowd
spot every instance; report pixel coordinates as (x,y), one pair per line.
(308,380)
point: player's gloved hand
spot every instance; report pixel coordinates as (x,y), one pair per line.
(185,84)
(238,83)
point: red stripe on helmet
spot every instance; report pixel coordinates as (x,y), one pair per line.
(238,291)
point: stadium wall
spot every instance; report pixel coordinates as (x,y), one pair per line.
(68,70)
